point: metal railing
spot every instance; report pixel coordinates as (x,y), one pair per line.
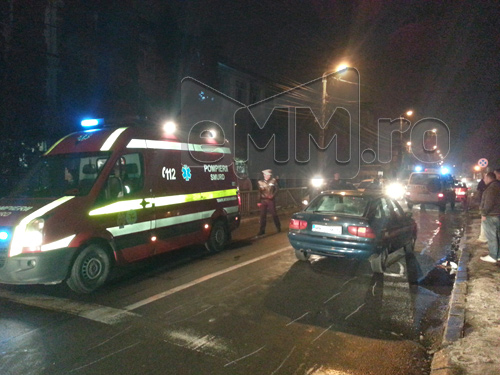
(286,198)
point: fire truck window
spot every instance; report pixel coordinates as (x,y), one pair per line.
(125,179)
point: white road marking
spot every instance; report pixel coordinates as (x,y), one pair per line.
(110,315)
(91,311)
(200,280)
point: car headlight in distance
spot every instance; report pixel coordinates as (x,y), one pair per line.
(317,181)
(395,190)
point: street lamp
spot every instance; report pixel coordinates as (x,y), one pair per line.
(340,69)
(401,146)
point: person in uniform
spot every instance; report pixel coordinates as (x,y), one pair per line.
(268,189)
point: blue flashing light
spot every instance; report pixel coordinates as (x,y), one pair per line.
(418,168)
(445,170)
(4,235)
(89,123)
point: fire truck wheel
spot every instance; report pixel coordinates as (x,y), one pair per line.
(218,237)
(90,269)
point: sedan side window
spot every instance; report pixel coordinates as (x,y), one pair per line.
(396,209)
(386,207)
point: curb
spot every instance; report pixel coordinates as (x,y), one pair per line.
(454,326)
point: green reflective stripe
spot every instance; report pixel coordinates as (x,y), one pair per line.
(169,145)
(16,245)
(121,206)
(55,144)
(111,139)
(161,223)
(135,204)
(59,244)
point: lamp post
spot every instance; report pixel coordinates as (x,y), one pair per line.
(401,145)
(340,69)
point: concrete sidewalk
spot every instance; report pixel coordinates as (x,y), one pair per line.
(471,341)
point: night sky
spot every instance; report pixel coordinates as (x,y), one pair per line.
(439,58)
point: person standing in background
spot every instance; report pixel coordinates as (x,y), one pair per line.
(490,217)
(268,189)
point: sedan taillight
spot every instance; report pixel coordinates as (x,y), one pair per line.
(297,224)
(366,232)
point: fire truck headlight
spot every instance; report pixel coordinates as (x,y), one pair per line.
(32,241)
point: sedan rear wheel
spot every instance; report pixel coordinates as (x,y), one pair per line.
(302,255)
(378,262)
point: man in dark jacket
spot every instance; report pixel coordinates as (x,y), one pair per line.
(490,217)
(268,188)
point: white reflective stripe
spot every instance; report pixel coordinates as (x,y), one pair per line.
(232,210)
(16,246)
(165,145)
(169,145)
(130,228)
(209,148)
(111,139)
(59,244)
(161,223)
(137,143)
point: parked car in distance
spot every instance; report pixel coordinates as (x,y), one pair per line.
(461,190)
(430,188)
(391,188)
(371,184)
(363,225)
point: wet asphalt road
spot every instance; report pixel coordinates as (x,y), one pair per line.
(251,309)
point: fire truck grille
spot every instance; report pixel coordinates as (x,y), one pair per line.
(3,256)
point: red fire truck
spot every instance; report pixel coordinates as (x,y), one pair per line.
(110,196)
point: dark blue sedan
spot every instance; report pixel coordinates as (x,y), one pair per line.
(363,225)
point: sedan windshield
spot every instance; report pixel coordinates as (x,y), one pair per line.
(339,204)
(60,175)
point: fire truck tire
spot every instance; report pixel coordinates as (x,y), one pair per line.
(90,269)
(219,236)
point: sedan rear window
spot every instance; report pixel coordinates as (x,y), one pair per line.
(339,204)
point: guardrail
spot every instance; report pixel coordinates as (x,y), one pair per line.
(286,198)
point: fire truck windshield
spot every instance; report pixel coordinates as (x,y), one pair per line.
(60,175)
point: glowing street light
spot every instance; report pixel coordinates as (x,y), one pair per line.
(341,68)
